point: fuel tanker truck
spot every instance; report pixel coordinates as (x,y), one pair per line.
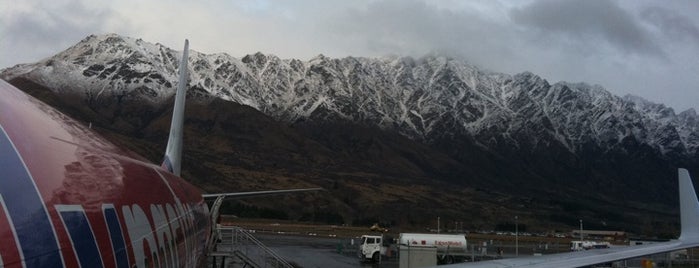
(450,247)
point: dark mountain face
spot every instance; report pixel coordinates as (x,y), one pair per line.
(397,140)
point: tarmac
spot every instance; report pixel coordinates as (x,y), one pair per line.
(323,251)
(320,252)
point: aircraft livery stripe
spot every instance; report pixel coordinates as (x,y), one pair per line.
(117,237)
(26,209)
(8,247)
(81,235)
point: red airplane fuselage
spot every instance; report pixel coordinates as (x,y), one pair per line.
(69,198)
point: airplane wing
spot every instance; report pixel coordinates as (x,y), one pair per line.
(218,200)
(689,238)
(220,197)
(582,258)
(257,193)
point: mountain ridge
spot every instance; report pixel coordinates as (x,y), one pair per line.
(488,130)
(409,95)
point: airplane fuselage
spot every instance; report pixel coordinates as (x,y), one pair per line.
(69,198)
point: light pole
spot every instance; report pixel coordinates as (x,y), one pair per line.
(437,224)
(516,237)
(581,230)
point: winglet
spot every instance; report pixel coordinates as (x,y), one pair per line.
(173,153)
(689,207)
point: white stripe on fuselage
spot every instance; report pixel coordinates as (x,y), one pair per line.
(14,233)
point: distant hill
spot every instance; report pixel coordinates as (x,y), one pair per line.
(397,140)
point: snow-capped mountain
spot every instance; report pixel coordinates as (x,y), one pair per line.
(426,99)
(392,138)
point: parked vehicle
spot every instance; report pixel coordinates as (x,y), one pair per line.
(450,248)
(577,245)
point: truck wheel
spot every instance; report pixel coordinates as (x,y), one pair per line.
(449,260)
(375,257)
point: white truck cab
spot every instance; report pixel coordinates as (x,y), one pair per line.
(371,247)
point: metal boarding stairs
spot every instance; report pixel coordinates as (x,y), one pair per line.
(239,248)
(235,247)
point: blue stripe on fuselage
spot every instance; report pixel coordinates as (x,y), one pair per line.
(117,237)
(30,219)
(81,235)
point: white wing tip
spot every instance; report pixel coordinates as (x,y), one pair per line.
(689,207)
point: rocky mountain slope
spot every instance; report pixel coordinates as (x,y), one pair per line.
(435,120)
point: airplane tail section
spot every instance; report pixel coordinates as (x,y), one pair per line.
(689,207)
(173,152)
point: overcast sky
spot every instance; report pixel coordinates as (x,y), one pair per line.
(645,48)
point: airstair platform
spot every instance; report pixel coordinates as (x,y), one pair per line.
(237,247)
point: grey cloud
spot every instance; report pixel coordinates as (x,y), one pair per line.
(417,28)
(42,31)
(672,24)
(388,26)
(588,22)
